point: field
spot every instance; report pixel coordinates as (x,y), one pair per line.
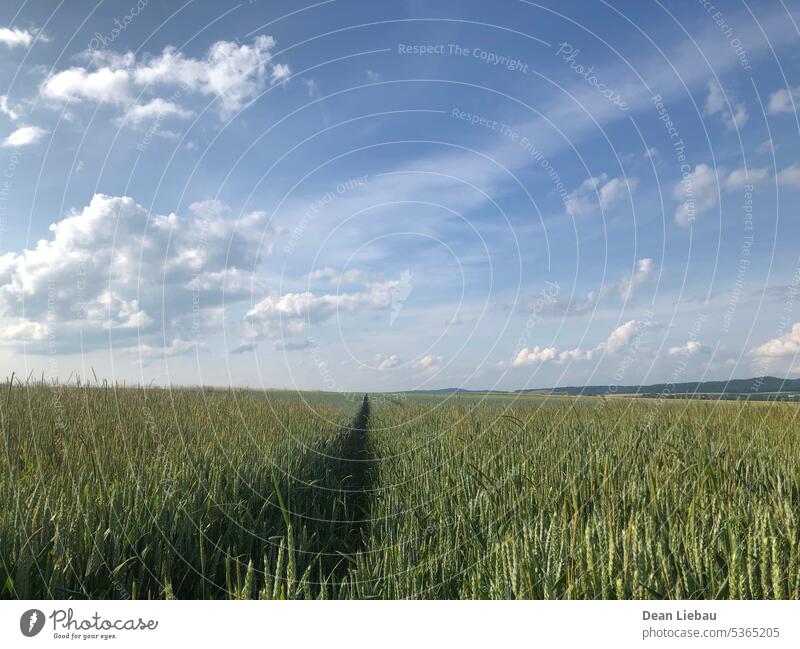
(152,493)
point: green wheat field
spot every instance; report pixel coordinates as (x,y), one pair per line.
(205,494)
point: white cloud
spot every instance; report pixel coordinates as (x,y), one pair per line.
(104,86)
(7,110)
(698,193)
(783,100)
(429,363)
(114,267)
(599,191)
(640,276)
(280,72)
(738,119)
(24,136)
(293,313)
(156,109)
(738,178)
(529,356)
(15,37)
(231,72)
(783,347)
(690,348)
(790,177)
(387,362)
(717,102)
(621,336)
(619,339)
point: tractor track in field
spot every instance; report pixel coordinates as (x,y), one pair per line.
(354,472)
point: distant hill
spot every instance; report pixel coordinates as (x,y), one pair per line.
(756,385)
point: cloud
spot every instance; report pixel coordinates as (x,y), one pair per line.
(790,177)
(641,275)
(625,288)
(7,110)
(698,192)
(529,356)
(429,363)
(717,103)
(690,348)
(312,86)
(114,268)
(351,276)
(783,100)
(24,136)
(600,191)
(783,347)
(156,109)
(387,362)
(15,37)
(232,73)
(619,339)
(738,178)
(277,317)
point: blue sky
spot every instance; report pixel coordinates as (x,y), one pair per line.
(349,195)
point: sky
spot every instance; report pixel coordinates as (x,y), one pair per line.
(377,196)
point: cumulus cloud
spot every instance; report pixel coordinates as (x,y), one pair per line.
(429,363)
(783,347)
(231,72)
(619,339)
(783,100)
(387,361)
(598,191)
(717,103)
(23,136)
(537,354)
(15,37)
(115,268)
(292,314)
(690,348)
